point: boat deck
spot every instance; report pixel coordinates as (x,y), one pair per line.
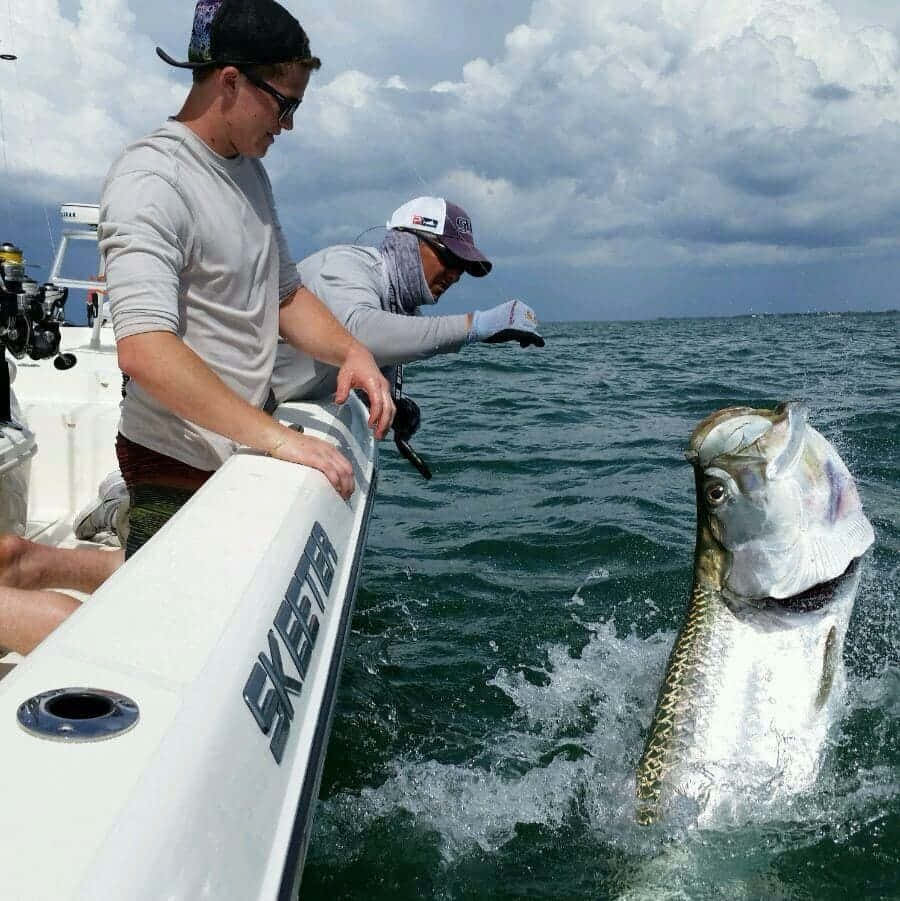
(74,416)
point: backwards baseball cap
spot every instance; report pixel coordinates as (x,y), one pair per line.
(243,33)
(447,222)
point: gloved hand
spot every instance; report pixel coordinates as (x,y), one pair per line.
(407,418)
(511,321)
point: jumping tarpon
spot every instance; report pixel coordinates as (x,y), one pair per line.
(756,673)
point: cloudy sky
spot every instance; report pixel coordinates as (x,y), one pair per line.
(619,159)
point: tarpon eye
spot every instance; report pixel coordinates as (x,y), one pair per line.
(716,493)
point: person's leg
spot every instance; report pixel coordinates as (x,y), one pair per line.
(28,565)
(158,486)
(28,612)
(152,506)
(28,617)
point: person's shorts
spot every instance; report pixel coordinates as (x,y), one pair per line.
(159,486)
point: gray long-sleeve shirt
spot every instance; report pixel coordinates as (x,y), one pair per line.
(193,247)
(352,282)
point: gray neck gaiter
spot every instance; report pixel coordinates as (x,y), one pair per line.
(407,288)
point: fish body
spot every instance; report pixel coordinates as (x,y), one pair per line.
(756,674)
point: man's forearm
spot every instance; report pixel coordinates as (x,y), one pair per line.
(394,338)
(306,323)
(170,372)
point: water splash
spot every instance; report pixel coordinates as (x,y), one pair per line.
(597,575)
(568,757)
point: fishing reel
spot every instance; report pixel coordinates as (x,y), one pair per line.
(30,314)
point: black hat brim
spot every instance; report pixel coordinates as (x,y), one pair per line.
(174,62)
(477,263)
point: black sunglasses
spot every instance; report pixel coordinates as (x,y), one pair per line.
(449,260)
(287,106)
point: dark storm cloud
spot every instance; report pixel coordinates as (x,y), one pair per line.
(831,92)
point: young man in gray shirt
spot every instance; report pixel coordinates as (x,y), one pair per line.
(201,286)
(199,277)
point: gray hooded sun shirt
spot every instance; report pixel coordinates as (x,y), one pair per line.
(375,294)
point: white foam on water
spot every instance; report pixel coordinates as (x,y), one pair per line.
(468,806)
(591,707)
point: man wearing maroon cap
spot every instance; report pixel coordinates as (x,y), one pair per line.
(377,294)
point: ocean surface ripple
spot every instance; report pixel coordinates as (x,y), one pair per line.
(515,615)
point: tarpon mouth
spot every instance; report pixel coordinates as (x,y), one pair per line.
(780,529)
(809,601)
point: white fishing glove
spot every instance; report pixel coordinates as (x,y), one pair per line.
(510,321)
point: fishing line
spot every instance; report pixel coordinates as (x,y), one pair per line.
(418,176)
(494,286)
(412,166)
(371,229)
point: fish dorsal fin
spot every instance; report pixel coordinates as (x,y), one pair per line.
(793,422)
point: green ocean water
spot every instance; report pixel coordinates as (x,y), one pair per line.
(515,615)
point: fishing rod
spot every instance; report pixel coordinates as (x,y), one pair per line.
(408,413)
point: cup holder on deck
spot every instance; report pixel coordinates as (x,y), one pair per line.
(77,714)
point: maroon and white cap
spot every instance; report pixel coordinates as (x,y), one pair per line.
(447,222)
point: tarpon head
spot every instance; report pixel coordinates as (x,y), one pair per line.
(776,496)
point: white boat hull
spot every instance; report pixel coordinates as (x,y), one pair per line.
(228,631)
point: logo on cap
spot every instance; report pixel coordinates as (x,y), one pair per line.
(463,225)
(424,220)
(199,50)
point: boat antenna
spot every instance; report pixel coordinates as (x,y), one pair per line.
(9,57)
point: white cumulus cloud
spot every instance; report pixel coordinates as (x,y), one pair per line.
(577,133)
